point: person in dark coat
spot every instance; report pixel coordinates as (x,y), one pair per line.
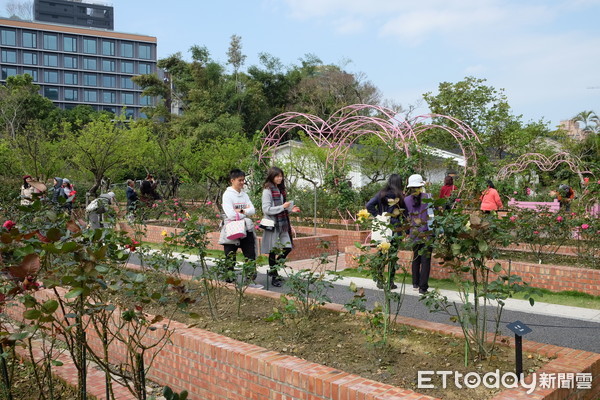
(58,191)
(387,201)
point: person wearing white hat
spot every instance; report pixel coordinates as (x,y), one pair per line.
(420,217)
(97,209)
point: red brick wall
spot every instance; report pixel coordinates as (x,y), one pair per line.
(304,247)
(552,277)
(211,366)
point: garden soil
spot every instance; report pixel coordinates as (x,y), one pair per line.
(342,341)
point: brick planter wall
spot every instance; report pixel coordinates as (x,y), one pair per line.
(304,247)
(552,277)
(211,366)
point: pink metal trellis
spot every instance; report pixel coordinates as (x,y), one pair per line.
(543,163)
(344,127)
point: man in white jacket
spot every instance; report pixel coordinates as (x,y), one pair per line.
(237,206)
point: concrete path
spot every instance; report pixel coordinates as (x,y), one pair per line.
(573,327)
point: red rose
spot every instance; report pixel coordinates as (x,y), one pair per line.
(8,224)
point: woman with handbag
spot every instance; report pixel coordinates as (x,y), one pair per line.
(277,237)
(382,206)
(238,229)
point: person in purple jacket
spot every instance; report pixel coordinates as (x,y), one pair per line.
(420,216)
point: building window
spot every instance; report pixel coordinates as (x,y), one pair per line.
(127,98)
(109,81)
(70,62)
(129,112)
(70,78)
(110,109)
(8,37)
(29,58)
(70,44)
(108,65)
(31,72)
(9,56)
(144,68)
(50,42)
(90,79)
(89,46)
(126,82)
(146,100)
(127,50)
(145,52)
(127,67)
(71,94)
(109,97)
(50,60)
(8,71)
(51,76)
(90,63)
(108,48)
(51,93)
(29,40)
(90,96)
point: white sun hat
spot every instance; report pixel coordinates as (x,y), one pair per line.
(415,181)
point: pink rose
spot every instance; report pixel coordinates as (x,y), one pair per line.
(515,192)
(176,204)
(154,205)
(584,226)
(8,224)
(586,180)
(257,227)
(513,218)
(573,214)
(166,213)
(174,214)
(218,215)
(559,218)
(598,182)
(536,232)
(179,220)
(208,203)
(457,200)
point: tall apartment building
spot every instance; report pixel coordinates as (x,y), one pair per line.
(76,65)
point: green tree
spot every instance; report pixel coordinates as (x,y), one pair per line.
(483,108)
(20,103)
(104,145)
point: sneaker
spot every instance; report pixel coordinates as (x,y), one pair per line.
(256,286)
(423,291)
(415,288)
(277,281)
(393,286)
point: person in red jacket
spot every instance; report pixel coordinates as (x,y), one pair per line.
(448,188)
(490,199)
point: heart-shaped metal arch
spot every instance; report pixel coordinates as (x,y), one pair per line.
(344,127)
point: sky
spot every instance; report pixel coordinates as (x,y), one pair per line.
(545,54)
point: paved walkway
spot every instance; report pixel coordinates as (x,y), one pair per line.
(540,308)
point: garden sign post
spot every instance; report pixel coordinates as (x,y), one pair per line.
(520,330)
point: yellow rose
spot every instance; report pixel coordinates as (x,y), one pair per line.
(384,246)
(164,233)
(363,214)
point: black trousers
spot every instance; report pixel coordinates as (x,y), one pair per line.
(421,266)
(247,244)
(273,258)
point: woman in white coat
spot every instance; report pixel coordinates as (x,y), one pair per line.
(277,240)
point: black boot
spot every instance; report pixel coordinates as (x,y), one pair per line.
(276,281)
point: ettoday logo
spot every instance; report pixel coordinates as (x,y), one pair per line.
(505,380)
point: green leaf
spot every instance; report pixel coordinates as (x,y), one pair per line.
(102,269)
(78,291)
(531,301)
(57,363)
(54,234)
(483,246)
(497,268)
(32,314)
(19,336)
(69,247)
(50,306)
